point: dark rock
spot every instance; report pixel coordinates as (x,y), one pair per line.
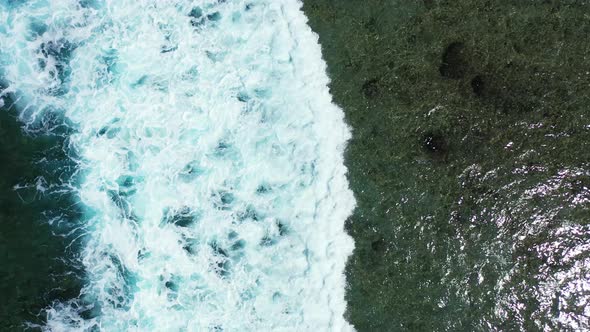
(434,143)
(454,64)
(379,246)
(371,88)
(478,85)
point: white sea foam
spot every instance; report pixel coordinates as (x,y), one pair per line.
(212,158)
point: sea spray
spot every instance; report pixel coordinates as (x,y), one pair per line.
(211,160)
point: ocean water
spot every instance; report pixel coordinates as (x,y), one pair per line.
(209,160)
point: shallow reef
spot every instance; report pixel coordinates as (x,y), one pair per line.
(469,160)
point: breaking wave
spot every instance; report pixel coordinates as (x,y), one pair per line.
(209,155)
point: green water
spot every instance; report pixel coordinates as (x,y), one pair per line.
(469,161)
(35,257)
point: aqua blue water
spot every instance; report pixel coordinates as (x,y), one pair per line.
(209,160)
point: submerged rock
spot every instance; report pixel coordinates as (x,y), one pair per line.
(454,63)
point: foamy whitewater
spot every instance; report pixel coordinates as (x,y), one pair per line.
(210,154)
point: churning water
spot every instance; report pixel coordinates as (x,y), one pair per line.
(210,160)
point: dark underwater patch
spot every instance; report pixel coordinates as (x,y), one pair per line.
(478,85)
(435,143)
(454,63)
(371,88)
